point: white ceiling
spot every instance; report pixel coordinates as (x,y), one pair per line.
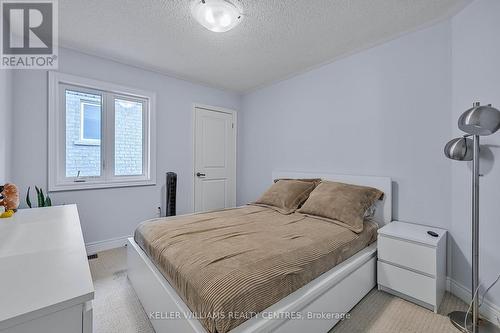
(275,40)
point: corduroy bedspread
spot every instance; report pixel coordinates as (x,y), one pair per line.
(229,265)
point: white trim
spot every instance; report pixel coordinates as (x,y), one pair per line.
(108,244)
(234,114)
(57,138)
(76,80)
(489,310)
(214,108)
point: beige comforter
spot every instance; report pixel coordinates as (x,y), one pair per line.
(229,265)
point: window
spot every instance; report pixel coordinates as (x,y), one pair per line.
(100,135)
(90,121)
(128,137)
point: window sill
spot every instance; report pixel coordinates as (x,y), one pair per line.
(87,142)
(92,185)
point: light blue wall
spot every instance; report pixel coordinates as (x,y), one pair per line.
(389,111)
(476,77)
(384,111)
(110,213)
(5,125)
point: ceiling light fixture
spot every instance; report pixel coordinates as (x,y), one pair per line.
(216,15)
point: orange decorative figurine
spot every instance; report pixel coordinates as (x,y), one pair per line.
(9,199)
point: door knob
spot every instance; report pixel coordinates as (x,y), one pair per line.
(199,174)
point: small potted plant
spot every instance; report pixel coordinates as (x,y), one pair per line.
(43,200)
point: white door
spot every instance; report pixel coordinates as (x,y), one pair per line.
(215,160)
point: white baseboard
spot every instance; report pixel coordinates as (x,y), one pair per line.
(107,244)
(488,310)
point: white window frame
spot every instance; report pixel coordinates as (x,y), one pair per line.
(58,181)
(83,140)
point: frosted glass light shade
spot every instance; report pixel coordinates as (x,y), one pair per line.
(216,15)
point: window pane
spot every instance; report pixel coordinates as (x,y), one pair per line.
(128,138)
(91,121)
(83,117)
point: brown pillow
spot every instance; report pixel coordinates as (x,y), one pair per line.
(343,204)
(286,195)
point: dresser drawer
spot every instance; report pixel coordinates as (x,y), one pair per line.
(407,254)
(416,285)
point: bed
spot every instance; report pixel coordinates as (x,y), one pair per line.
(320,294)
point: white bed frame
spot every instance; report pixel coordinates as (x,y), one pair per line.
(334,292)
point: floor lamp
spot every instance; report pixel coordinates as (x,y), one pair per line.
(480,120)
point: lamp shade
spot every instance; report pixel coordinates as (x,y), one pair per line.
(460,149)
(480,120)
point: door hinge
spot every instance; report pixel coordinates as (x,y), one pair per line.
(232,125)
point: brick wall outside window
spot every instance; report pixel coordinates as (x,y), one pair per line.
(86,156)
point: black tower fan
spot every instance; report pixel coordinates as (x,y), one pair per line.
(171,189)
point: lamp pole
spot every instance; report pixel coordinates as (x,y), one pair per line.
(469,321)
(479,120)
(475,234)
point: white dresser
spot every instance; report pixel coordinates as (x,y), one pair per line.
(412,263)
(45,281)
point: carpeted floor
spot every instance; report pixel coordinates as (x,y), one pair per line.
(117,309)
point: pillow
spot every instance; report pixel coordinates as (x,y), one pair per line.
(286,195)
(343,204)
(370,212)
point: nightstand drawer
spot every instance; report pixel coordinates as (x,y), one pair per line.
(416,285)
(407,254)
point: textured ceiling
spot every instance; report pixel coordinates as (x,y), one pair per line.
(276,39)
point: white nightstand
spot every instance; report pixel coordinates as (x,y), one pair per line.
(411,263)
